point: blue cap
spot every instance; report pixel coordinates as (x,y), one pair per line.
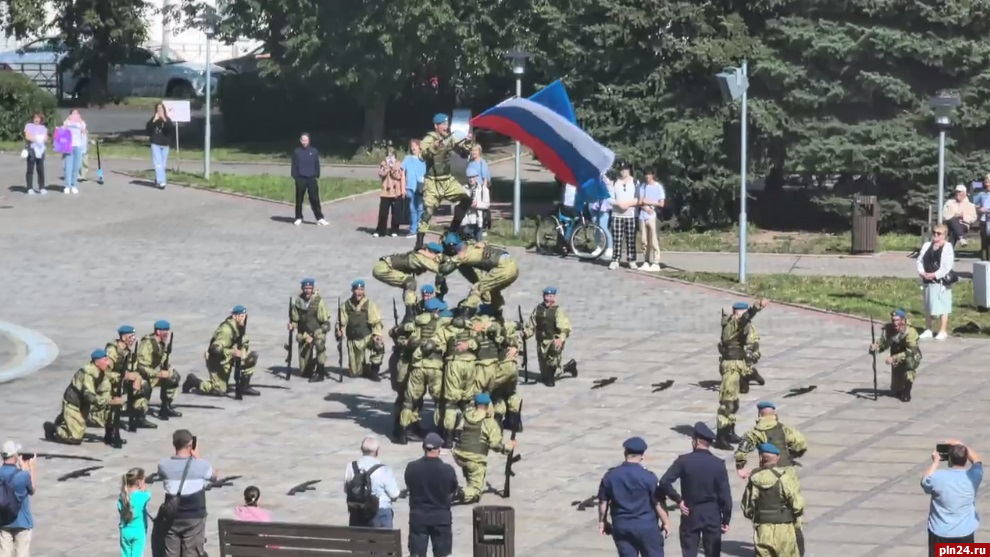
(432,441)
(434,304)
(446,313)
(238,309)
(769,448)
(550,290)
(307,282)
(162,325)
(486,309)
(439,119)
(702,431)
(740,305)
(357,284)
(898,313)
(452,239)
(98,353)
(434,247)
(765,404)
(125,330)
(482,398)
(427,289)
(634,445)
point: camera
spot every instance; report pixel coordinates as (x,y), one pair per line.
(943,450)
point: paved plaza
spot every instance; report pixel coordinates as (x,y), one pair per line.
(75,267)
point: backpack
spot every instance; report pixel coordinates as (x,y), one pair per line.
(360,500)
(10,507)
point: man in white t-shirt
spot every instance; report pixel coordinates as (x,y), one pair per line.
(651,200)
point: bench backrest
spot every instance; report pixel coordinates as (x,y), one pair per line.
(283,539)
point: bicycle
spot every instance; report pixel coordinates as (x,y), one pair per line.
(559,234)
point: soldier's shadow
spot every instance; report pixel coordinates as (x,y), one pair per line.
(709,384)
(738,549)
(364,411)
(864,393)
(684,429)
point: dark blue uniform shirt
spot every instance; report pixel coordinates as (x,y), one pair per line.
(705,485)
(630,490)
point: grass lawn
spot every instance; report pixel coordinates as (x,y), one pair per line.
(863,296)
(265,186)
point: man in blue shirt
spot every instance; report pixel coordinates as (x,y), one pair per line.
(414,173)
(982,202)
(952,516)
(15,537)
(628,493)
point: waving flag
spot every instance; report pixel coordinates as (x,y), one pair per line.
(554,97)
(562,147)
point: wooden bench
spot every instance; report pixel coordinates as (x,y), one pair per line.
(972,235)
(282,539)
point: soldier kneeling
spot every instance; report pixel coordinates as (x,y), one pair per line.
(86,401)
(474,435)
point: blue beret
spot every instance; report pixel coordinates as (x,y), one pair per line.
(434,247)
(765,404)
(357,284)
(898,313)
(550,290)
(427,289)
(439,119)
(452,239)
(433,304)
(162,325)
(740,305)
(238,309)
(98,353)
(486,309)
(307,282)
(767,448)
(482,398)
(125,330)
(702,431)
(635,445)
(446,313)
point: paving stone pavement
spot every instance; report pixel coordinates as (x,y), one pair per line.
(74,268)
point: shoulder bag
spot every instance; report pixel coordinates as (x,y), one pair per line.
(170,506)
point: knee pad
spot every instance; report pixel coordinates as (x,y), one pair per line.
(251,360)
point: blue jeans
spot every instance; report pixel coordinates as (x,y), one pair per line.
(159,158)
(71,162)
(383,519)
(415,210)
(602,220)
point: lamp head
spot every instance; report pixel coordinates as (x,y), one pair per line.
(732,82)
(943,105)
(518,60)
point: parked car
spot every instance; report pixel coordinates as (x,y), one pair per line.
(249,63)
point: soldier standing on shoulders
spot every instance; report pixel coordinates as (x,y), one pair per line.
(498,270)
(119,352)
(739,349)
(905,354)
(475,434)
(769,430)
(151,352)
(401,269)
(425,364)
(436,149)
(360,323)
(551,327)
(229,341)
(311,320)
(85,401)
(772,500)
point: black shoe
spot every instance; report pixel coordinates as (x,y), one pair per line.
(571,368)
(191,384)
(731,436)
(414,433)
(419,241)
(166,410)
(374,373)
(550,380)
(722,439)
(50,431)
(744,385)
(141,422)
(755,377)
(906,393)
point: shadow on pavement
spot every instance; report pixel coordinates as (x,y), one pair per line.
(738,549)
(364,411)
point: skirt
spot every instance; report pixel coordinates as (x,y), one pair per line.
(938,299)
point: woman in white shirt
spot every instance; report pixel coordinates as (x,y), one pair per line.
(935,270)
(480,204)
(72,162)
(624,201)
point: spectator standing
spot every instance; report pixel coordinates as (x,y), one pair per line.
(391,194)
(379,484)
(474,220)
(184,478)
(959,214)
(161,129)
(19,473)
(133,509)
(934,266)
(601,213)
(413,176)
(72,161)
(628,493)
(952,516)
(250,511)
(651,200)
(623,192)
(306,173)
(480,167)
(432,484)
(36,138)
(982,203)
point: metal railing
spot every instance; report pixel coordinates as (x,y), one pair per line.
(46,76)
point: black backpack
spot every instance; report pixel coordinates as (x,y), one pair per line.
(10,507)
(360,500)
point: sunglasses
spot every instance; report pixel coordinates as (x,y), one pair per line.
(939,234)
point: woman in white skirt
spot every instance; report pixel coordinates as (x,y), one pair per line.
(935,269)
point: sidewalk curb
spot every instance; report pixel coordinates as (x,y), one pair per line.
(41,352)
(266,162)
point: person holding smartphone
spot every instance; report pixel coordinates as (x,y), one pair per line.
(18,471)
(184,475)
(161,129)
(952,516)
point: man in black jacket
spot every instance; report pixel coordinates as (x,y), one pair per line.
(432,484)
(306,173)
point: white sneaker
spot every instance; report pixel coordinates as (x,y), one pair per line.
(322,222)
(43,191)
(393,234)
(613,265)
(297,222)
(376,235)
(655,268)
(926,334)
(66,190)
(75,191)
(962,242)
(644,267)
(941,336)
(607,254)
(32,192)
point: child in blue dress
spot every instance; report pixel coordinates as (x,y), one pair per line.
(132,506)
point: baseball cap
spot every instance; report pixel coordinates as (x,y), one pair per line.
(961,188)
(10,449)
(432,442)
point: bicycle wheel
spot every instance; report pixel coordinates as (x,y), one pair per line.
(547,234)
(588,242)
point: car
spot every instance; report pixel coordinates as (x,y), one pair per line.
(249,63)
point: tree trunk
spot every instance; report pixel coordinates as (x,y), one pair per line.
(374,122)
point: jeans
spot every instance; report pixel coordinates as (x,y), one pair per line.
(71,162)
(415,210)
(602,218)
(159,158)
(933,539)
(382,519)
(35,164)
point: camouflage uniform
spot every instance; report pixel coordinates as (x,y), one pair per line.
(906,356)
(220,362)
(439,184)
(548,324)
(312,321)
(497,271)
(454,385)
(502,386)
(476,434)
(361,323)
(768,429)
(120,361)
(151,356)
(426,363)
(401,269)
(773,501)
(85,403)
(739,350)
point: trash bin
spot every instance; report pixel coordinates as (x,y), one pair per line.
(981,285)
(865,219)
(494,531)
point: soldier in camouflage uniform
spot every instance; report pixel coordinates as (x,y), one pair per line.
(768,429)
(400,270)
(220,356)
(439,186)
(739,350)
(489,269)
(551,327)
(151,351)
(773,501)
(119,352)
(905,354)
(311,319)
(426,363)
(400,362)
(475,434)
(84,402)
(502,386)
(457,341)
(360,323)
(490,333)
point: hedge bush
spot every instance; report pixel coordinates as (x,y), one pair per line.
(19,100)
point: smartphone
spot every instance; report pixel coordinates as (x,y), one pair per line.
(194,445)
(943,450)
(27,456)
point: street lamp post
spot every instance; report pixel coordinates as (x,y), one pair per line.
(518,59)
(943,104)
(209,24)
(734,83)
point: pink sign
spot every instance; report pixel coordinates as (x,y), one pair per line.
(63,141)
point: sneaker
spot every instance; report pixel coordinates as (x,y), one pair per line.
(43,191)
(613,265)
(322,222)
(66,190)
(644,267)
(962,242)
(926,334)
(297,222)
(376,235)
(607,254)
(75,191)
(941,336)
(161,186)
(32,191)
(393,234)
(655,267)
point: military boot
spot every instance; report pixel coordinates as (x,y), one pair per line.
(50,432)
(744,385)
(414,432)
(374,372)
(166,410)
(513,422)
(246,389)
(141,422)
(419,241)
(722,439)
(755,377)
(548,378)
(906,393)
(732,437)
(320,375)
(571,369)
(191,384)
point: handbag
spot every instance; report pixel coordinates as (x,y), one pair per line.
(170,506)
(951,278)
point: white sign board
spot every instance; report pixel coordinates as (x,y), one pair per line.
(460,126)
(178,110)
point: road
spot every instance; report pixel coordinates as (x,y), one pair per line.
(123,120)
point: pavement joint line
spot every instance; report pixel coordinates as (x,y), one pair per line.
(41,352)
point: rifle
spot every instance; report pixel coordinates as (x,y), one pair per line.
(525,350)
(49,456)
(221,482)
(873,337)
(510,459)
(395,313)
(78,473)
(340,342)
(163,416)
(288,348)
(238,383)
(112,432)
(587,503)
(305,486)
